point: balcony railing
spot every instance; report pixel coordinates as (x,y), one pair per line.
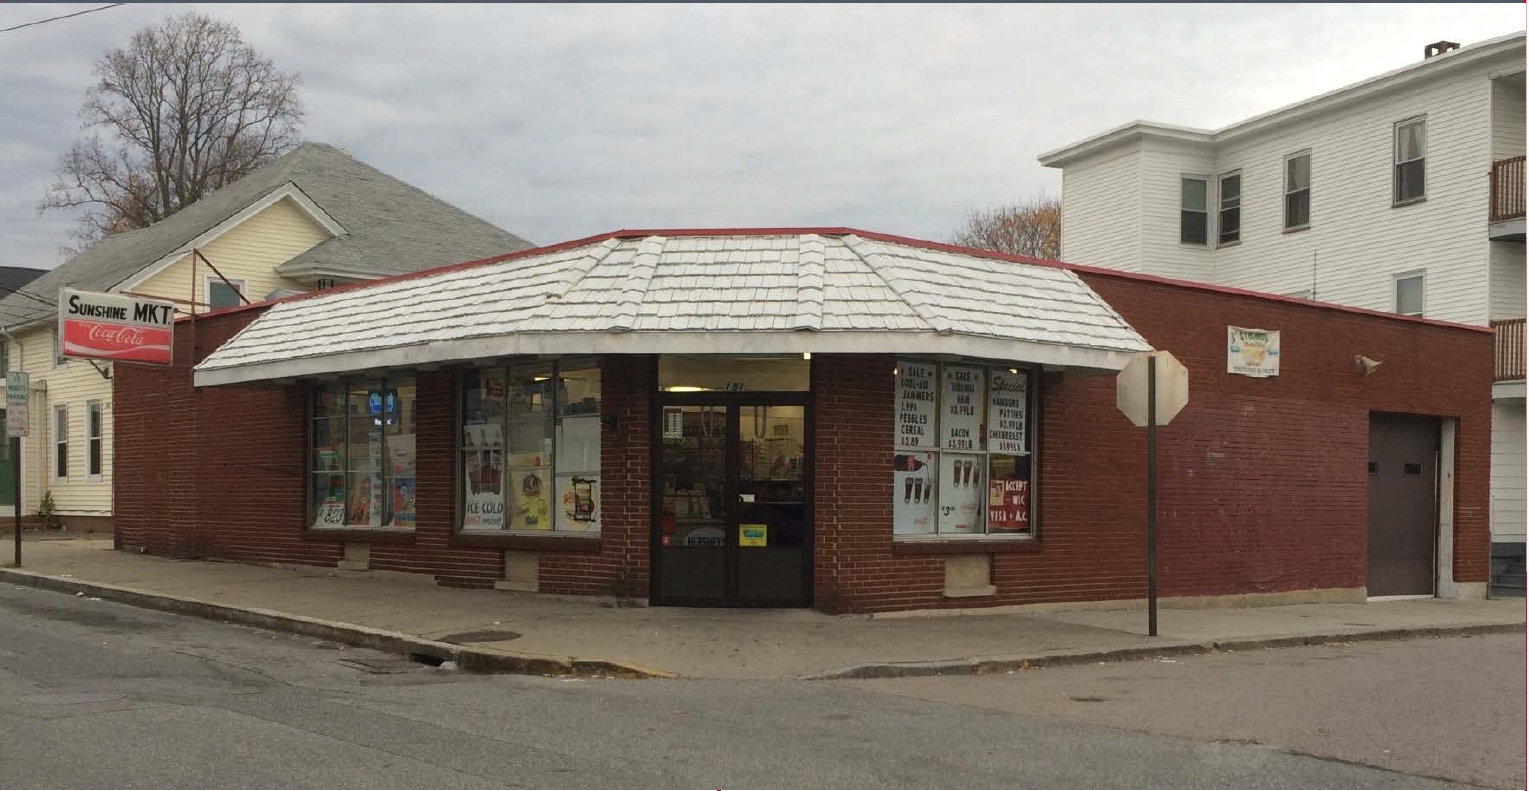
(1510,349)
(1507,189)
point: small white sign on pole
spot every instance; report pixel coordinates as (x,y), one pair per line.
(16,386)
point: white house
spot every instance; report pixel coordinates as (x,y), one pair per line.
(1403,192)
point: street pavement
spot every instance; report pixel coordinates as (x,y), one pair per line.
(97,694)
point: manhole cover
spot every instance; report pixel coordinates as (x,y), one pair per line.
(483,636)
(71,698)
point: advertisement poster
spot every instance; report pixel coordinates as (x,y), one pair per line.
(1252,352)
(915,404)
(483,463)
(1008,505)
(580,499)
(331,482)
(753,535)
(365,502)
(530,492)
(913,493)
(402,449)
(961,493)
(114,327)
(1008,399)
(961,408)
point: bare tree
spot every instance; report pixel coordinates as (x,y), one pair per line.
(185,108)
(1028,227)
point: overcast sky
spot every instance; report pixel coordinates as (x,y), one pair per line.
(562,121)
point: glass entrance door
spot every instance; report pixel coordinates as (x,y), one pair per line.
(733,524)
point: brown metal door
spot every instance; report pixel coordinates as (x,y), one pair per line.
(1404,472)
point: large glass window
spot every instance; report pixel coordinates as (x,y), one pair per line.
(962,461)
(531,447)
(362,454)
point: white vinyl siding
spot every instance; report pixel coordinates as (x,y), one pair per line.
(1508,117)
(248,253)
(1508,472)
(1163,167)
(74,384)
(1101,213)
(1507,280)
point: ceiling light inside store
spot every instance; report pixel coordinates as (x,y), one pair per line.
(684,389)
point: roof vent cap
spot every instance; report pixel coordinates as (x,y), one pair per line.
(1439,48)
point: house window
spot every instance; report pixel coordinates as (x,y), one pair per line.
(5,357)
(221,294)
(962,459)
(1193,211)
(1229,221)
(93,439)
(1298,191)
(61,442)
(1409,294)
(362,454)
(323,283)
(1410,147)
(530,449)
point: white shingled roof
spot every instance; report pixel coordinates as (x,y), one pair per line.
(766,292)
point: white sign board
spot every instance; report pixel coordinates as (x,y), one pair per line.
(915,404)
(1172,388)
(1252,352)
(16,400)
(961,407)
(1008,401)
(962,492)
(913,493)
(113,327)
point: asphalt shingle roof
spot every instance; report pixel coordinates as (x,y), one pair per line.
(731,285)
(390,228)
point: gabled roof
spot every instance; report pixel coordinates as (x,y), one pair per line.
(384,227)
(1359,91)
(729,292)
(14,277)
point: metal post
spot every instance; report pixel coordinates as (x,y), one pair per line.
(16,479)
(1152,495)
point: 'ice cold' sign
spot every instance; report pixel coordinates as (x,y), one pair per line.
(962,403)
(915,404)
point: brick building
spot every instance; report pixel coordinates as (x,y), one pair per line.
(823,417)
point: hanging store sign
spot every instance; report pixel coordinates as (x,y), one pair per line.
(1252,352)
(915,404)
(961,407)
(97,326)
(1008,399)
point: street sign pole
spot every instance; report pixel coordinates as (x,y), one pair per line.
(1151,495)
(16,479)
(17,395)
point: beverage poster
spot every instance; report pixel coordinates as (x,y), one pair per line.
(402,449)
(365,502)
(913,493)
(531,497)
(1008,400)
(579,496)
(961,489)
(1008,505)
(961,407)
(915,404)
(483,469)
(330,485)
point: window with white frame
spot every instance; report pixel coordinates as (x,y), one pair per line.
(1194,210)
(1229,220)
(61,442)
(221,294)
(530,450)
(1409,294)
(1409,149)
(962,460)
(1298,191)
(93,439)
(362,454)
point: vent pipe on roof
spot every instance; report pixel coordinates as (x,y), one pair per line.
(1439,48)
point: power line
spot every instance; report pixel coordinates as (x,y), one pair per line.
(57,18)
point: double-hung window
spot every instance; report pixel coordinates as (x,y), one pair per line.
(362,454)
(225,293)
(1409,293)
(1298,191)
(93,439)
(61,442)
(962,460)
(1229,220)
(1194,210)
(530,447)
(1409,150)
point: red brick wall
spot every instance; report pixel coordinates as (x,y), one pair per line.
(1262,482)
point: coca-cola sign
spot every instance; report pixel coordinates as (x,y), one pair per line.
(112,327)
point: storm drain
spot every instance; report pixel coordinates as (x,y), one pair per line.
(481,636)
(379,666)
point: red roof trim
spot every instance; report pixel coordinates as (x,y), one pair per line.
(635,233)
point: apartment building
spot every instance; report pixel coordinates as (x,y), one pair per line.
(1401,193)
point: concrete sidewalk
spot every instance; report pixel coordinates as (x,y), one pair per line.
(553,635)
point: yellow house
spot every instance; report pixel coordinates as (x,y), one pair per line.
(314,218)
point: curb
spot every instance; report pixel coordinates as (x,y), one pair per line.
(468,658)
(980,666)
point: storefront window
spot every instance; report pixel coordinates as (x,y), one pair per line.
(962,459)
(531,447)
(362,459)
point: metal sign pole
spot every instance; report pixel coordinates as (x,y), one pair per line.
(16,481)
(1152,495)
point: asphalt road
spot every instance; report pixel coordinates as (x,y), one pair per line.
(94,694)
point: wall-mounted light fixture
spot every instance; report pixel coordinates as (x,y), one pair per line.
(1364,365)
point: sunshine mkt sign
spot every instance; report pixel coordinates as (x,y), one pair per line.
(95,326)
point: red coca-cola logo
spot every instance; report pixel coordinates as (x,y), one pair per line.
(116,335)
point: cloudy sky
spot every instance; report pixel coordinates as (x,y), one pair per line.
(561,121)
